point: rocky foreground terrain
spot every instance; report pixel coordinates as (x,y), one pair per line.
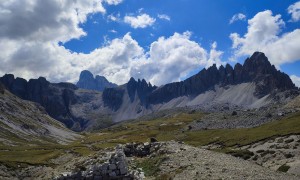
(164,160)
(226,123)
(277,153)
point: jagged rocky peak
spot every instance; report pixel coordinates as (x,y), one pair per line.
(55,98)
(140,87)
(99,83)
(256,69)
(113,97)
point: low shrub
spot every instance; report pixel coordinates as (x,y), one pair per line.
(284,168)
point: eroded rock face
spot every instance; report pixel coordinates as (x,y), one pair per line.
(99,83)
(256,69)
(2,88)
(113,98)
(55,98)
(140,88)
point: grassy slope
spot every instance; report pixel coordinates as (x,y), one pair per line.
(231,137)
(166,128)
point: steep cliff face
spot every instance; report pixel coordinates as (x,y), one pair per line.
(24,121)
(256,69)
(99,83)
(140,89)
(55,98)
(113,98)
(135,90)
(246,85)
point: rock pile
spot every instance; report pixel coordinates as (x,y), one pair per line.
(141,149)
(115,168)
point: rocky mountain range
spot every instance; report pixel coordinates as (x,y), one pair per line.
(24,121)
(251,85)
(99,83)
(256,69)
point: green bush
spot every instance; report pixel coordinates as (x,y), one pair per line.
(283,168)
(244,154)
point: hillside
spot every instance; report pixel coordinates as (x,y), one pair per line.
(175,159)
(88,81)
(27,122)
(255,84)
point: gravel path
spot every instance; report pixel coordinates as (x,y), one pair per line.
(186,162)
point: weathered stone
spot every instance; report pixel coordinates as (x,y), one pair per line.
(153,139)
(99,83)
(112,167)
(121,165)
(98,178)
(104,166)
(256,69)
(123,171)
(112,174)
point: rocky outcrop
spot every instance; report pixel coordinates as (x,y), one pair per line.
(99,83)
(256,69)
(113,98)
(115,168)
(29,123)
(2,88)
(140,88)
(55,98)
(79,108)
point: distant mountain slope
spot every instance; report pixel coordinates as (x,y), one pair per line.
(99,83)
(27,122)
(55,98)
(256,69)
(254,84)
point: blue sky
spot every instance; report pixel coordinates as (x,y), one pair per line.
(144,38)
(208,20)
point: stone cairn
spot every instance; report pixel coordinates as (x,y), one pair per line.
(117,166)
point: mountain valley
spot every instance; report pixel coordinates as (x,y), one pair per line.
(61,130)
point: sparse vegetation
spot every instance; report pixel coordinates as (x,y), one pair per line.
(288,155)
(284,168)
(244,154)
(132,131)
(289,141)
(151,165)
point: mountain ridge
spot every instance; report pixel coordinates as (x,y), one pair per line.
(98,83)
(206,79)
(251,85)
(29,122)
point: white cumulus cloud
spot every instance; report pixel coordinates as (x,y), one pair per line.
(264,35)
(29,43)
(164,17)
(171,59)
(115,17)
(45,20)
(294,10)
(237,17)
(113,2)
(140,21)
(296,80)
